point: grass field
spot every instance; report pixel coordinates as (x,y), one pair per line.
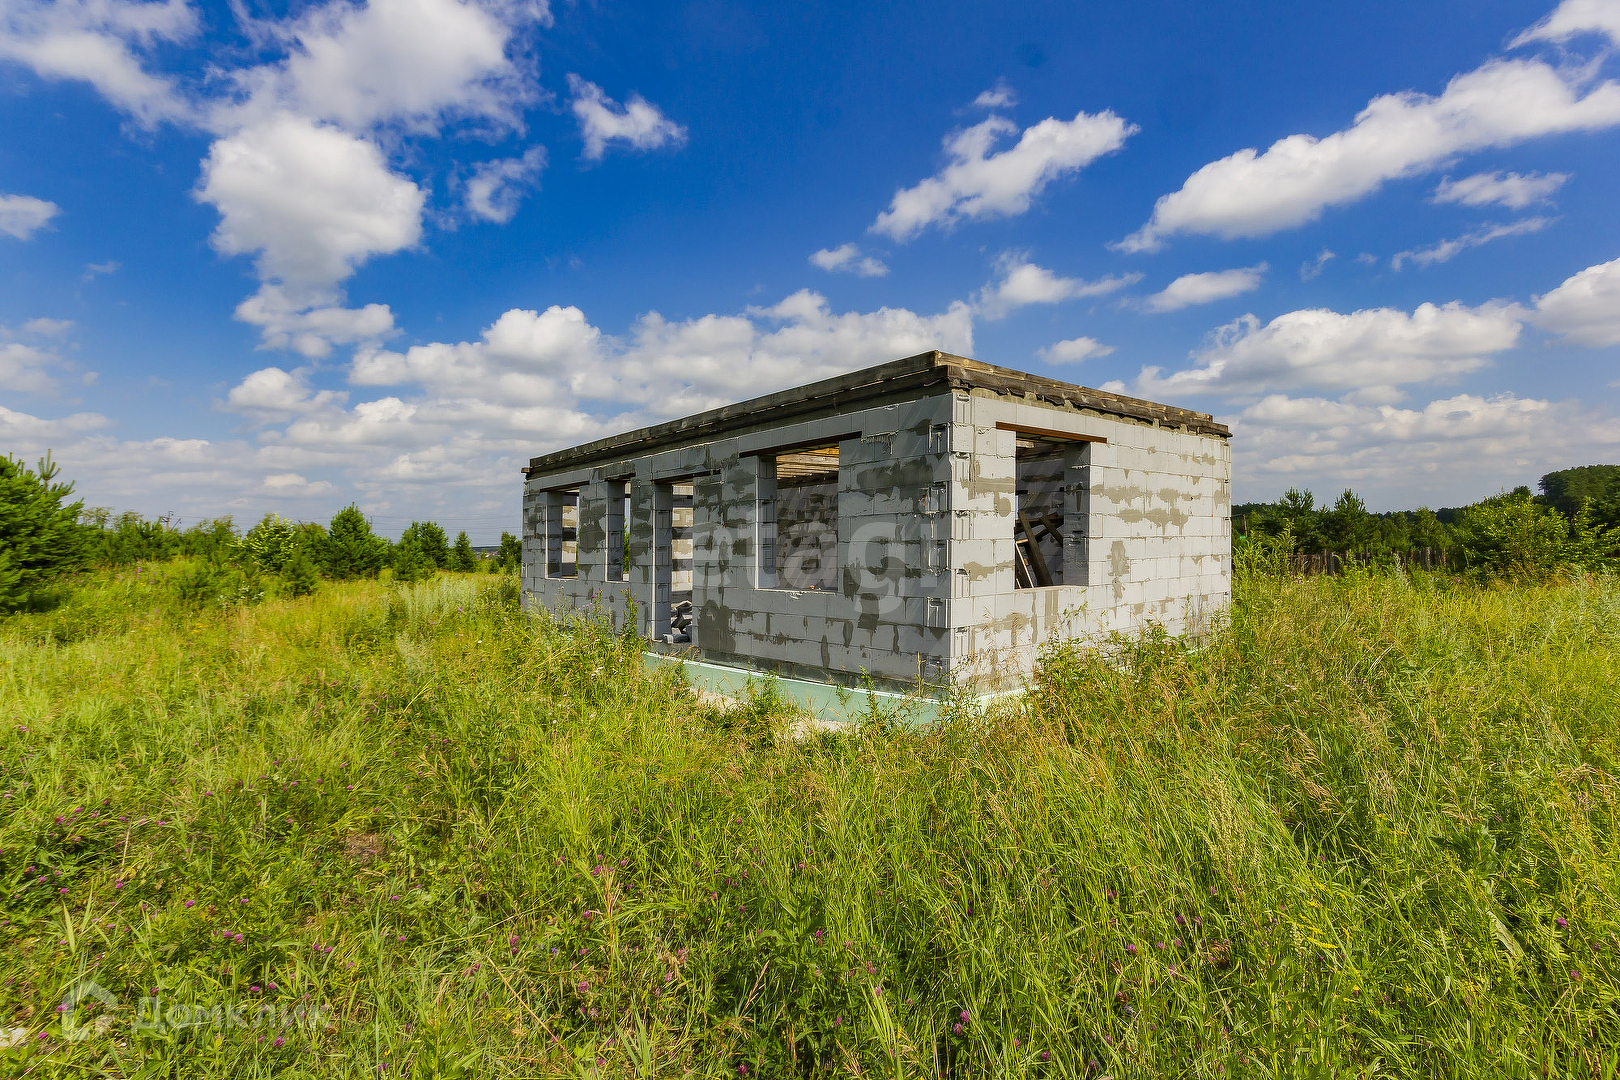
(1369,830)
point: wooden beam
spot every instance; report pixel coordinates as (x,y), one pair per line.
(1043,433)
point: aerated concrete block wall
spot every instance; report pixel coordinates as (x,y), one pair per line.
(884,617)
(925,544)
(1153,542)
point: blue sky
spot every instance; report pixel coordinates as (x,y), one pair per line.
(264,257)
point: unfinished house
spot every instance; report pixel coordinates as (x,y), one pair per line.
(934,519)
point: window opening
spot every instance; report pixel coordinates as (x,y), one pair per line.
(562,533)
(1038,511)
(798,519)
(673,621)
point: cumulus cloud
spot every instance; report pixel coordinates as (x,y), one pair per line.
(273,394)
(100,42)
(1585,309)
(1073,351)
(1205,288)
(1312,270)
(1507,189)
(1446,249)
(497,187)
(411,63)
(21,216)
(539,380)
(638,123)
(1448,451)
(1370,352)
(1573,18)
(1254,193)
(292,483)
(312,331)
(297,168)
(979,183)
(999,96)
(1022,283)
(25,369)
(848,259)
(309,201)
(47,327)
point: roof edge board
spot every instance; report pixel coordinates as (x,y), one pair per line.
(919,372)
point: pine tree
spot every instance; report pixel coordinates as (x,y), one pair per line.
(510,557)
(411,563)
(462,557)
(40,538)
(430,539)
(350,549)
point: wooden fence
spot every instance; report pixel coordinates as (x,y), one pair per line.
(1332,563)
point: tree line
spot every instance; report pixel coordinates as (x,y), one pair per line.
(44,536)
(1573,522)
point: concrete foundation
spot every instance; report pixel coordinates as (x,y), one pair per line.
(866,527)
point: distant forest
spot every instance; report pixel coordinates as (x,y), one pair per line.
(1587,498)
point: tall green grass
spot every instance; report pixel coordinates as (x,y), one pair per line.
(1367,830)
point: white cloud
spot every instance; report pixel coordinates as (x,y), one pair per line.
(1445,453)
(1575,17)
(1370,352)
(407,62)
(273,394)
(1313,269)
(534,381)
(95,270)
(999,96)
(25,369)
(1501,103)
(96,41)
(21,216)
(292,483)
(1205,288)
(1023,283)
(1585,309)
(1446,249)
(497,187)
(309,201)
(297,169)
(48,327)
(638,123)
(848,258)
(976,183)
(1507,189)
(312,331)
(1074,350)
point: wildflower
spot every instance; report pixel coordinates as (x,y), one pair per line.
(742,1070)
(964,1016)
(1561,922)
(957,1028)
(279,1041)
(1181,920)
(191,903)
(1131,949)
